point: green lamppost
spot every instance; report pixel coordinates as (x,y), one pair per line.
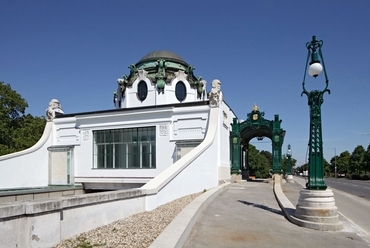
(288,169)
(315,99)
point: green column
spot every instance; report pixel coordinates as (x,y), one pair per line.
(235,147)
(316,158)
(277,142)
(315,100)
(288,167)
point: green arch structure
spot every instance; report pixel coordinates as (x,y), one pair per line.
(256,126)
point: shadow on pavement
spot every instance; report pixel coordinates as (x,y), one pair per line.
(262,207)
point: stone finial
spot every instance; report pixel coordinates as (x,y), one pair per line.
(54,107)
(215,95)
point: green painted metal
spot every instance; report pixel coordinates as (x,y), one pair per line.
(315,100)
(161,67)
(235,147)
(288,167)
(255,126)
(277,143)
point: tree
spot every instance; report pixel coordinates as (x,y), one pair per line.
(284,162)
(326,168)
(302,168)
(366,161)
(17,130)
(343,162)
(356,160)
(28,132)
(258,164)
(268,156)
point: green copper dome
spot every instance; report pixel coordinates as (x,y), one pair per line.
(161,54)
(161,67)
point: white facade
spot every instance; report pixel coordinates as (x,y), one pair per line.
(177,110)
(165,138)
(172,124)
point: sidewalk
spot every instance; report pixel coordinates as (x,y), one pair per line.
(248,215)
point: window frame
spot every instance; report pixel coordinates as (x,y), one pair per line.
(178,91)
(125,148)
(142,90)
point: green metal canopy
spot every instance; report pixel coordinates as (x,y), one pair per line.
(256,126)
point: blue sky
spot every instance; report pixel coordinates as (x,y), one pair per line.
(75,51)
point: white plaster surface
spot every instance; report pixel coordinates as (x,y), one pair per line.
(45,223)
(27,168)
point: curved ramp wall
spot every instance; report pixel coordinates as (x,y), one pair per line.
(27,168)
(195,172)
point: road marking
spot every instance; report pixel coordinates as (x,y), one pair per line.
(237,188)
(366,187)
(363,234)
(354,185)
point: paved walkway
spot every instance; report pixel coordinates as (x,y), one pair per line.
(248,215)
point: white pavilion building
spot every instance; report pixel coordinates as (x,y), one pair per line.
(162,112)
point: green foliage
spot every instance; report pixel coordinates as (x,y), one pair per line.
(84,243)
(343,162)
(268,156)
(365,177)
(17,130)
(258,164)
(326,167)
(355,177)
(292,163)
(366,161)
(356,160)
(302,168)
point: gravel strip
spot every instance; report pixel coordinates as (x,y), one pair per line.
(138,230)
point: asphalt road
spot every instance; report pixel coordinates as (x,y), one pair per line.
(354,187)
(352,199)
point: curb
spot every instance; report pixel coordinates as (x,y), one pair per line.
(178,231)
(288,209)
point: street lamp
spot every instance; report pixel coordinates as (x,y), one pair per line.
(288,169)
(315,99)
(316,204)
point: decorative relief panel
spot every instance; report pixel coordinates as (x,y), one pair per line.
(189,128)
(163,130)
(86,135)
(68,136)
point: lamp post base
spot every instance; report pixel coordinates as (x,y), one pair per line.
(235,178)
(289,178)
(317,210)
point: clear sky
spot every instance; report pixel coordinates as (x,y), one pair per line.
(75,51)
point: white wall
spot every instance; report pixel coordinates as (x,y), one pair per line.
(196,171)
(225,120)
(130,99)
(27,168)
(167,120)
(45,223)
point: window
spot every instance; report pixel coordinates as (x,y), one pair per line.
(142,90)
(182,148)
(180,91)
(131,148)
(61,166)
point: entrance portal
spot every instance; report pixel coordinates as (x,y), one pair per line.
(256,126)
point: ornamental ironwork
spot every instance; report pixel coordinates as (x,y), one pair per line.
(255,126)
